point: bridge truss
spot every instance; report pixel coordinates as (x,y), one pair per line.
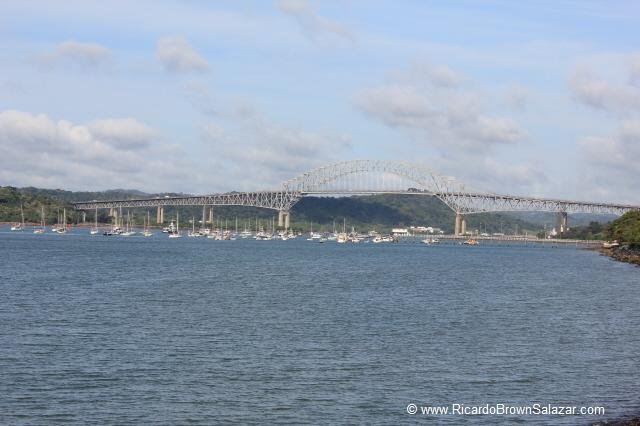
(405,178)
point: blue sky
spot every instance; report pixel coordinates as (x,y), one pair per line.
(533,98)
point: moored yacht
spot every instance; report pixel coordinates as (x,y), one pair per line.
(19,226)
(176,233)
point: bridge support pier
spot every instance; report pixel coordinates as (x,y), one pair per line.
(84,217)
(211,216)
(459,224)
(463,226)
(160,215)
(562,222)
(283,219)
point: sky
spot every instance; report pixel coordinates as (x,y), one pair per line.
(528,98)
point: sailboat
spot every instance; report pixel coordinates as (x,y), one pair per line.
(193,232)
(95,229)
(342,237)
(147,232)
(42,224)
(177,233)
(19,226)
(204,231)
(129,232)
(63,229)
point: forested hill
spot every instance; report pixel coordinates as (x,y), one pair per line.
(626,229)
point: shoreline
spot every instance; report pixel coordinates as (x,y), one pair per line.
(624,253)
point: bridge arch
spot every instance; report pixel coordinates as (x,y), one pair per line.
(423,180)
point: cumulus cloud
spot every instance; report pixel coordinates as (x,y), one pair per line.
(612,159)
(601,94)
(440,108)
(450,122)
(71,52)
(122,132)
(445,76)
(619,152)
(37,150)
(613,172)
(177,56)
(422,74)
(312,24)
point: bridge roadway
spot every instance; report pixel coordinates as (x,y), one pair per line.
(282,201)
(325,181)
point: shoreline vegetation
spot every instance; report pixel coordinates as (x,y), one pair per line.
(624,253)
(626,232)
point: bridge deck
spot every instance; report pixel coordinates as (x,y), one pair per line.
(462,202)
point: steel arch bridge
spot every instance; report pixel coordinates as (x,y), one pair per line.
(366,177)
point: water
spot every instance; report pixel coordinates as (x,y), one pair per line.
(130,330)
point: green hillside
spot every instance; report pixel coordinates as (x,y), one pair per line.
(626,229)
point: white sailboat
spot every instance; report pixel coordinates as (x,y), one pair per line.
(63,229)
(342,237)
(193,232)
(147,232)
(177,233)
(42,224)
(95,229)
(19,226)
(129,230)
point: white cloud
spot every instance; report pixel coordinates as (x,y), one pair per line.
(37,150)
(397,106)
(619,152)
(177,56)
(122,132)
(437,107)
(450,121)
(611,168)
(598,93)
(312,24)
(71,52)
(445,76)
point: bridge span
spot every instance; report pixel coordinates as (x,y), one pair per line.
(370,177)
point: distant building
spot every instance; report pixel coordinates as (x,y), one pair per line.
(426,230)
(400,232)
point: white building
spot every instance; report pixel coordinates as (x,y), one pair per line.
(400,232)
